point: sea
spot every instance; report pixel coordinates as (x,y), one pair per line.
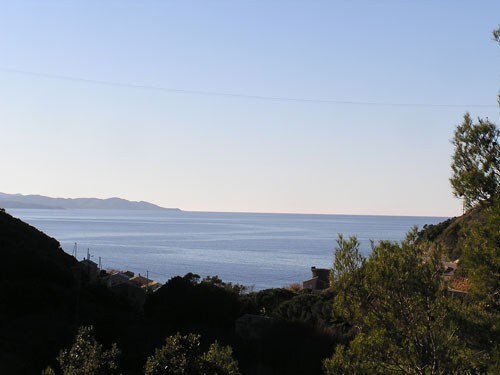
(257,250)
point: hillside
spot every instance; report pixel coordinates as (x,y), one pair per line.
(40,201)
(42,300)
(449,232)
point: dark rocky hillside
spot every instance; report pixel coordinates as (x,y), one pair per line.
(43,298)
(37,298)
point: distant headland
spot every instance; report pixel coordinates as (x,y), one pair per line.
(43,202)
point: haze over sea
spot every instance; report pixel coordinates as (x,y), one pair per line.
(260,250)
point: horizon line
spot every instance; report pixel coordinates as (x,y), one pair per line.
(237,211)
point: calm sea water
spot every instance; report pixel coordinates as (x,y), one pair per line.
(263,250)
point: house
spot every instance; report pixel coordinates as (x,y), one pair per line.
(152,286)
(458,286)
(145,283)
(130,274)
(140,280)
(320,279)
(449,269)
(116,278)
(90,269)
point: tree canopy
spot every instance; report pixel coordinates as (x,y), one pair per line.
(403,319)
(481,256)
(87,356)
(476,161)
(182,355)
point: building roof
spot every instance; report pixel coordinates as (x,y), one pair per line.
(127,274)
(460,284)
(140,280)
(152,285)
(88,262)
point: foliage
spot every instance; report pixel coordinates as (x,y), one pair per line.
(295,287)
(481,256)
(346,278)
(432,231)
(186,300)
(496,38)
(401,314)
(479,330)
(476,161)
(217,281)
(177,356)
(218,360)
(191,278)
(347,258)
(183,355)
(268,300)
(310,309)
(87,356)
(48,371)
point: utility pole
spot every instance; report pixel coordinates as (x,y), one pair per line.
(75,249)
(147,280)
(100,264)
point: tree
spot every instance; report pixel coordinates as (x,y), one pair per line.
(182,301)
(308,309)
(481,256)
(347,257)
(179,355)
(218,360)
(346,279)
(87,356)
(496,38)
(476,161)
(182,355)
(402,317)
(48,371)
(268,300)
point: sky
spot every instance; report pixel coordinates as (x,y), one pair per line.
(80,115)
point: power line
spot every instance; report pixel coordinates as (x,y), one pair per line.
(237,96)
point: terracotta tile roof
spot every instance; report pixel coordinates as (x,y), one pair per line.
(461,284)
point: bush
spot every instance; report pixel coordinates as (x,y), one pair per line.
(182,355)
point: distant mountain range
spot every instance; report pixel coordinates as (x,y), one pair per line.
(42,202)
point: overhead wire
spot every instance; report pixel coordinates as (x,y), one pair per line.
(236,95)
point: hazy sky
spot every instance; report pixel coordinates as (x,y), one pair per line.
(217,153)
